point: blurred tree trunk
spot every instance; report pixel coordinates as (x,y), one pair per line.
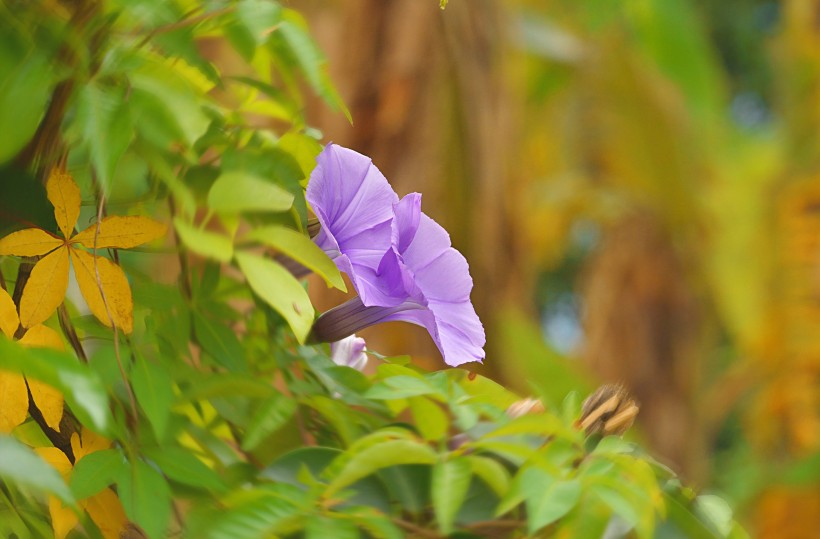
(424,89)
(641,323)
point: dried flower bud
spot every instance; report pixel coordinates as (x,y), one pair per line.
(609,410)
(524,407)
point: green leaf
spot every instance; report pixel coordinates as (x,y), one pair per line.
(376,457)
(259,17)
(322,527)
(451,480)
(257,513)
(146,498)
(491,472)
(279,289)
(302,148)
(173,96)
(633,506)
(309,59)
(105,126)
(227,385)
(270,417)
(154,391)
(553,502)
(716,511)
(432,422)
(220,342)
(203,242)
(26,78)
(301,249)
(401,387)
(81,386)
(237,191)
(181,465)
(375,523)
(21,466)
(97,471)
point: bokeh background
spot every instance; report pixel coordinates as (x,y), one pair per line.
(636,185)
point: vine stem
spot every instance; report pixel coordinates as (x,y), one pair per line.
(417,530)
(131,399)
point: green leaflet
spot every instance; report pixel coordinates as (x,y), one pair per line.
(154,391)
(279,289)
(237,191)
(451,480)
(81,386)
(97,471)
(22,466)
(146,498)
(203,242)
(300,248)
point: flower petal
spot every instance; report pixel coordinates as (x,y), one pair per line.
(349,352)
(406,218)
(354,204)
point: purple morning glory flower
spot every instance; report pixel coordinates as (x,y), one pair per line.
(354,204)
(400,261)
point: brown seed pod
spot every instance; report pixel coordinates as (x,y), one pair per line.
(609,410)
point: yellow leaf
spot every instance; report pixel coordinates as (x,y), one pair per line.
(49,401)
(41,336)
(65,196)
(45,289)
(8,315)
(29,242)
(114,284)
(56,459)
(87,442)
(105,509)
(63,519)
(13,401)
(121,232)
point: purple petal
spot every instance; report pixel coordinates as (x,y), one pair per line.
(459,342)
(406,217)
(349,352)
(354,204)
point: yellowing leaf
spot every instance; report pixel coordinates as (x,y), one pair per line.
(87,442)
(114,284)
(8,315)
(45,289)
(49,401)
(41,336)
(29,242)
(57,459)
(63,519)
(65,196)
(121,232)
(107,512)
(13,401)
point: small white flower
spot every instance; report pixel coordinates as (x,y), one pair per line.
(349,352)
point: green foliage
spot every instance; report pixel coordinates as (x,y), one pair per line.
(213,407)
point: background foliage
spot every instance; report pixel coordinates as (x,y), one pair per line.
(205,413)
